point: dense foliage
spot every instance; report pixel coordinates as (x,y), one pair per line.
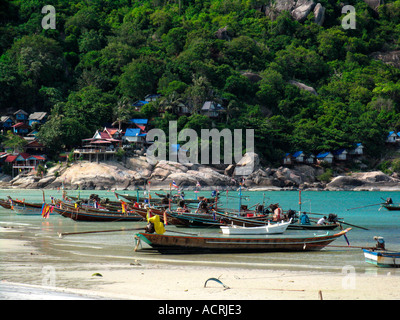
(106,52)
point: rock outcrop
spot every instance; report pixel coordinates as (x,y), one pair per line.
(374,4)
(390,57)
(302,86)
(364,181)
(319,14)
(136,172)
(302,9)
(299,9)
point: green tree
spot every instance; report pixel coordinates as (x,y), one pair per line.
(14,142)
(140,77)
(91,107)
(61,132)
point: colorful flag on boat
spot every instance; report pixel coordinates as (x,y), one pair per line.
(165,217)
(46,209)
(148,215)
(174,184)
(123,207)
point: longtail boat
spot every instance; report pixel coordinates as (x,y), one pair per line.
(269,228)
(391,207)
(5,204)
(227,244)
(195,220)
(382,258)
(101,216)
(263,220)
(25,208)
(313,226)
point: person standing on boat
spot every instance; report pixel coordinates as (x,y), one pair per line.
(304,219)
(278,214)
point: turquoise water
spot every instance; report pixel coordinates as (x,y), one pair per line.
(111,247)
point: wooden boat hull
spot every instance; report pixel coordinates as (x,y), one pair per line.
(5,204)
(391,207)
(97,217)
(298,226)
(276,228)
(194,220)
(226,244)
(383,259)
(25,208)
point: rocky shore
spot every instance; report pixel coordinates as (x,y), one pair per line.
(136,173)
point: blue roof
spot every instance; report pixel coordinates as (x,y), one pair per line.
(139,121)
(139,103)
(339,151)
(296,154)
(132,132)
(322,154)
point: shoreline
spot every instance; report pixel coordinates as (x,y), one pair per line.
(159,282)
(82,275)
(222,188)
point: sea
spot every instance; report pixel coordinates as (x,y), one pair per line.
(30,243)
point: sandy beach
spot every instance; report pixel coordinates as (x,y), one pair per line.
(143,280)
(167,282)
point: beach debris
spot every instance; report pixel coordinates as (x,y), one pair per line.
(320,295)
(216,280)
(135,263)
(96,274)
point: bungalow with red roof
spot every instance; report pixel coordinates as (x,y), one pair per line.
(24,162)
(102,144)
(21,128)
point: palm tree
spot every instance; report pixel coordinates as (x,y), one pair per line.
(122,112)
(172,103)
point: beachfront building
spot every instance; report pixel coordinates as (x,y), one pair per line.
(102,146)
(21,128)
(358,150)
(134,136)
(287,159)
(212,109)
(37,117)
(340,154)
(309,159)
(21,116)
(22,163)
(325,156)
(298,156)
(392,137)
(152,97)
(6,123)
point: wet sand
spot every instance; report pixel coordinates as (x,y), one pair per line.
(30,277)
(36,263)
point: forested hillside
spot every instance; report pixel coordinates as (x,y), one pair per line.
(105,54)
